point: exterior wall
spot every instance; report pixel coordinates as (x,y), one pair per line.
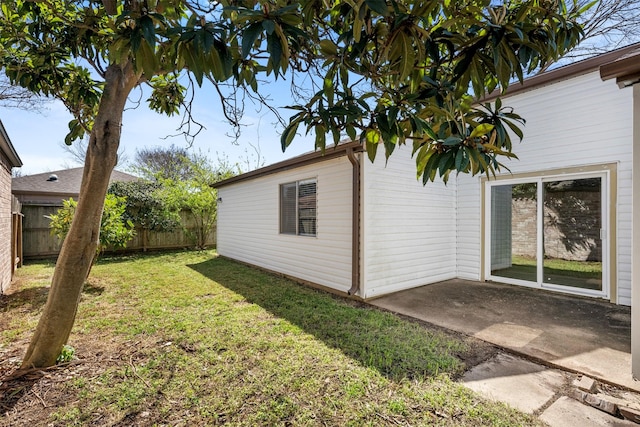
(248,231)
(408,229)
(5,224)
(576,122)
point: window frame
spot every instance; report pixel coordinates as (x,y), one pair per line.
(286,228)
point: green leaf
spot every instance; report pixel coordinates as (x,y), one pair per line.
(321,137)
(372,139)
(424,153)
(328,47)
(136,39)
(481,130)
(379,6)
(452,140)
(221,62)
(461,161)
(146,59)
(249,37)
(351,131)
(408,57)
(372,136)
(514,128)
(328,89)
(269,26)
(389,145)
(587,6)
(148,30)
(275,51)
(288,134)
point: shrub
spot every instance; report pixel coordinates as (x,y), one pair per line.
(115,232)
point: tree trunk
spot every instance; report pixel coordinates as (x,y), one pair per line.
(79,247)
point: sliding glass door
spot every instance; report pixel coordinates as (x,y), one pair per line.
(548,232)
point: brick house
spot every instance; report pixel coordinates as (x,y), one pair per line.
(8,159)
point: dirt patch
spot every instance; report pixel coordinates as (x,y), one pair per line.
(32,398)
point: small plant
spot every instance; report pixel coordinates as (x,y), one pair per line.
(66,354)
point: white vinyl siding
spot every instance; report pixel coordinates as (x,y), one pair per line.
(408,229)
(249,225)
(577,122)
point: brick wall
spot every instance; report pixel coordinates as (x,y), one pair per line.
(571,224)
(5,224)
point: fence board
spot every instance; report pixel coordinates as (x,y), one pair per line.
(39,243)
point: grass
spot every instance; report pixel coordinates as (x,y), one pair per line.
(578,274)
(590,269)
(188,338)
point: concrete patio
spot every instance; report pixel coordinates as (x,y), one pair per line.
(582,335)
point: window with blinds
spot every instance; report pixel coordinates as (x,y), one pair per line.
(298,208)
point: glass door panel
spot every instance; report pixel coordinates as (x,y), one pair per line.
(572,224)
(514,231)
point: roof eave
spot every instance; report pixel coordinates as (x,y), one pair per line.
(43,193)
(562,73)
(295,162)
(626,69)
(7,148)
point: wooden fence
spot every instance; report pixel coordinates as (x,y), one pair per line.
(37,241)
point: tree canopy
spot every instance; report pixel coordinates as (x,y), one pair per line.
(386,72)
(172,162)
(193,194)
(383,72)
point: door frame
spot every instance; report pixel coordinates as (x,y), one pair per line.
(607,172)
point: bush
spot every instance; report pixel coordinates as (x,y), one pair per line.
(146,205)
(115,231)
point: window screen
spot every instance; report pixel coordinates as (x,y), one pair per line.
(298,208)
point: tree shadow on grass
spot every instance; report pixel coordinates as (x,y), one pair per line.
(128,256)
(29,298)
(32,299)
(396,347)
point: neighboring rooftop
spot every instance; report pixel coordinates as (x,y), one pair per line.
(60,184)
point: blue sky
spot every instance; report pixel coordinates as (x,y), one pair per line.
(37,136)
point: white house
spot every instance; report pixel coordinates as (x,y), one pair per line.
(562,219)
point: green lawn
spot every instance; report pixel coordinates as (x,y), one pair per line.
(577,274)
(187,338)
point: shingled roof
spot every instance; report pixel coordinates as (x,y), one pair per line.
(62,183)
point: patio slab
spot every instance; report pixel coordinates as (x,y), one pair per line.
(566,412)
(578,334)
(520,383)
